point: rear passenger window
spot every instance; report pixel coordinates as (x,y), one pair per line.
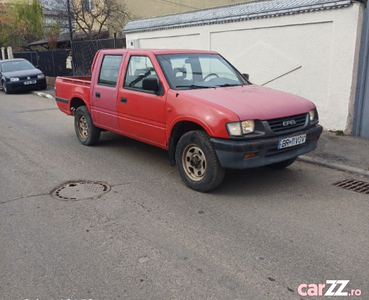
(109,70)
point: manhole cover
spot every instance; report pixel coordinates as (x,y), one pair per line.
(80,190)
(354,185)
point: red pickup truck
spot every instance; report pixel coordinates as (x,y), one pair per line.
(194,104)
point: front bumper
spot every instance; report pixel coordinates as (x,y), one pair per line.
(23,85)
(231,152)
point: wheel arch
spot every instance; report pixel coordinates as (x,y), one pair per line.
(76,102)
(177,131)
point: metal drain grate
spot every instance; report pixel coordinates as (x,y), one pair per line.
(80,190)
(354,185)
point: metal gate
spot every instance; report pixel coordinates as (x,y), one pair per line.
(361,120)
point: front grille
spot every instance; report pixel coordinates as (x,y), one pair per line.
(287,123)
(28,77)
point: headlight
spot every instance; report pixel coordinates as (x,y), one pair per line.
(313,115)
(41,76)
(234,129)
(14,79)
(248,126)
(240,128)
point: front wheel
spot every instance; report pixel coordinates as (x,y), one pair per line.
(5,88)
(87,133)
(197,162)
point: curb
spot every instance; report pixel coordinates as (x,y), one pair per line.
(331,165)
(44,95)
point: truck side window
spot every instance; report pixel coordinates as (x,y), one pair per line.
(109,70)
(139,67)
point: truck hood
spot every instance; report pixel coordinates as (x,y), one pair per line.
(254,102)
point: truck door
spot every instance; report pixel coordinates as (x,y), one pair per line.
(104,93)
(141,112)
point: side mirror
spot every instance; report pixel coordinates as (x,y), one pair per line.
(150,84)
(246,76)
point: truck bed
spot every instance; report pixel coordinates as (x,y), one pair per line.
(68,88)
(76,79)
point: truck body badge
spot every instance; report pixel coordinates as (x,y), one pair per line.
(289,123)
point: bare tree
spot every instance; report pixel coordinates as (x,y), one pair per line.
(21,23)
(96,15)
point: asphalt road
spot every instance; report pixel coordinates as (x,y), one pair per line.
(260,235)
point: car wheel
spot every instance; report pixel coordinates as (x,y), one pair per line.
(283,164)
(5,88)
(197,162)
(87,133)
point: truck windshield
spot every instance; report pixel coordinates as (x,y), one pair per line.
(198,71)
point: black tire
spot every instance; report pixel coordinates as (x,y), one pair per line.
(197,162)
(87,133)
(283,164)
(5,88)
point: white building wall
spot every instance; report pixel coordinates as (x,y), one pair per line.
(313,55)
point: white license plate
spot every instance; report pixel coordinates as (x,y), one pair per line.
(292,141)
(29,82)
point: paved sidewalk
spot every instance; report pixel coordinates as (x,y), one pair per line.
(345,153)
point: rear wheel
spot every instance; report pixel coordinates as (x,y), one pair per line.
(283,164)
(197,162)
(87,133)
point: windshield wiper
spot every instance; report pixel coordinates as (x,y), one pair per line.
(227,85)
(194,86)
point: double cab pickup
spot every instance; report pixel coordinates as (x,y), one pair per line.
(194,104)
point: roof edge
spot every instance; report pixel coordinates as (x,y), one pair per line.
(233,13)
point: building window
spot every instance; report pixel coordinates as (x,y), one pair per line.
(88,5)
